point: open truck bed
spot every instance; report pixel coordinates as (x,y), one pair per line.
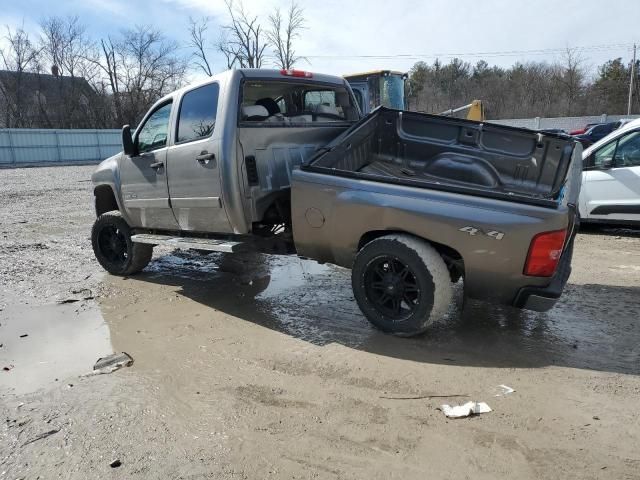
(456,155)
(495,202)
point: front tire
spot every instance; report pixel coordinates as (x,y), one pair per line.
(401,284)
(113,248)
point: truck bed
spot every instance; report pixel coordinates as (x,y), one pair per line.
(451,154)
(477,191)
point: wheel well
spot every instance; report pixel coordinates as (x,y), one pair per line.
(105,199)
(452,257)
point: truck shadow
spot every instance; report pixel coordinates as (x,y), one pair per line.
(593,326)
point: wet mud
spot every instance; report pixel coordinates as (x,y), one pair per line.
(253,366)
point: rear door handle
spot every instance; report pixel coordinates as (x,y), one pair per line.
(157,165)
(205,157)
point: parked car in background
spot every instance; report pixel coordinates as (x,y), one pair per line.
(624,121)
(611,178)
(580,131)
(596,133)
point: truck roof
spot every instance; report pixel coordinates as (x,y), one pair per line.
(273,73)
(259,73)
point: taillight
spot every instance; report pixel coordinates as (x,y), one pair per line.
(296,73)
(544,253)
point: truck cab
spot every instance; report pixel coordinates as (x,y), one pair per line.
(217,156)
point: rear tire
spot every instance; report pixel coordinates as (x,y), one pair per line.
(113,248)
(401,284)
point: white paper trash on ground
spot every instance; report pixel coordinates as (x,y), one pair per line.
(469,408)
(503,390)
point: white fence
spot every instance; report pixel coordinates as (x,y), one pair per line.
(22,147)
(564,123)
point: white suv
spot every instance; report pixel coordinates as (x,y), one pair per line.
(611,179)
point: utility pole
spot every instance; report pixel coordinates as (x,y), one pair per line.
(633,74)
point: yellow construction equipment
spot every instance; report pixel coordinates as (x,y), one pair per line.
(388,88)
(378,87)
(476,111)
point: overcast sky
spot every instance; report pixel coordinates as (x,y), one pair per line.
(345,36)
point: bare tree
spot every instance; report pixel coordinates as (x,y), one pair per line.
(20,56)
(110,85)
(283,32)
(246,41)
(139,68)
(572,78)
(149,67)
(72,57)
(66,45)
(198,42)
(230,51)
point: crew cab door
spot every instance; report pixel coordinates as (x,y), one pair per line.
(144,176)
(193,163)
(611,181)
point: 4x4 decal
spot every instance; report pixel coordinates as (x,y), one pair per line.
(474,231)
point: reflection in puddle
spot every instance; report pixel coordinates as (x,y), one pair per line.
(290,274)
(61,341)
(315,303)
(285,293)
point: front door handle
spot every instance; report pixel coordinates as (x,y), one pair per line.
(157,165)
(205,157)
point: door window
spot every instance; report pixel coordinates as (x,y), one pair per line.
(312,99)
(605,153)
(153,134)
(628,151)
(197,116)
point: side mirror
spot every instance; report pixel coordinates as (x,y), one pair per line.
(589,162)
(127,141)
(607,164)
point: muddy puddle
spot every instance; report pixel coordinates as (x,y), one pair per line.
(310,302)
(314,303)
(45,345)
(239,358)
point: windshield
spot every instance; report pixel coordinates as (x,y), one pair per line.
(392,92)
(297,103)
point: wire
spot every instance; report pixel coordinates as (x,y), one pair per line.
(487,54)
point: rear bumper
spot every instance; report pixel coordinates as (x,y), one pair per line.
(541,299)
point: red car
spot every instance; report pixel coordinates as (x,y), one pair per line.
(582,130)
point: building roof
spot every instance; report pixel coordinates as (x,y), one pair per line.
(52,87)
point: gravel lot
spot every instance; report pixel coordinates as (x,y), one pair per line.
(263,367)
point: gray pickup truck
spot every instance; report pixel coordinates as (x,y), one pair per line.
(282,162)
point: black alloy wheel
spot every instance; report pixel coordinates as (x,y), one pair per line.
(391,287)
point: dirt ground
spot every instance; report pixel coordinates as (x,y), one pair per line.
(255,367)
